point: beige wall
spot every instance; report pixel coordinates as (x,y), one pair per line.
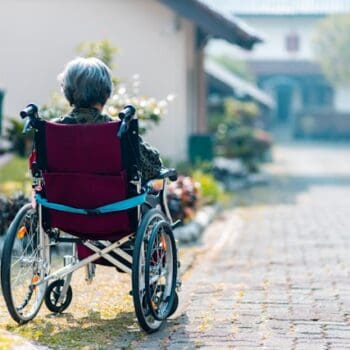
(39,36)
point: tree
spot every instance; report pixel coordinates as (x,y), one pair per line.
(331,45)
(104,50)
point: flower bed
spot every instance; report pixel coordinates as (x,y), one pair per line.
(189,193)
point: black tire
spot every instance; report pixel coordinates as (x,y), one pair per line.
(175,304)
(52,295)
(161,271)
(20,251)
(147,322)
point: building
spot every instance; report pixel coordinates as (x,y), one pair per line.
(222,84)
(285,66)
(161,40)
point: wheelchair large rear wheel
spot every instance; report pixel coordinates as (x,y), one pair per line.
(22,266)
(161,271)
(144,313)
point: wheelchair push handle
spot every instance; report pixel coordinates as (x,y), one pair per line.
(30,111)
(127,112)
(126,115)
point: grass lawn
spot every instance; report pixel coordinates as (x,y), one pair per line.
(14,176)
(99,315)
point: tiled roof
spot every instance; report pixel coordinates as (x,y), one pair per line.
(282,7)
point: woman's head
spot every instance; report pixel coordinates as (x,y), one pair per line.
(86,82)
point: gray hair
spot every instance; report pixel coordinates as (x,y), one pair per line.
(86,81)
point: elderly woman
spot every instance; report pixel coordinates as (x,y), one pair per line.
(87,85)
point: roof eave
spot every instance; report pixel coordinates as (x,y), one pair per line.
(238,84)
(215,23)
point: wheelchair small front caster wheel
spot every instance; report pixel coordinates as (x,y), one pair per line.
(53,294)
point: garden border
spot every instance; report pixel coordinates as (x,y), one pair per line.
(192,231)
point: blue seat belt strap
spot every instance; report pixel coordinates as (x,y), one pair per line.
(109,208)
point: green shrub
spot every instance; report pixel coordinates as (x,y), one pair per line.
(9,207)
(211,190)
(236,135)
(20,143)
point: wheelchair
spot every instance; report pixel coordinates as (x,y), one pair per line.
(88,192)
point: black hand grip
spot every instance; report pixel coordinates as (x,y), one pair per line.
(27,126)
(173,175)
(127,112)
(122,129)
(29,111)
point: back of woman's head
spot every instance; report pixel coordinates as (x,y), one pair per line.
(86,82)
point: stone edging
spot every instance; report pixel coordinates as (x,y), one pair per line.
(193,230)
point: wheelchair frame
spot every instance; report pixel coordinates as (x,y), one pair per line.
(154,228)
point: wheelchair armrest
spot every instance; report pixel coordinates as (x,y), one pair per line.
(171,174)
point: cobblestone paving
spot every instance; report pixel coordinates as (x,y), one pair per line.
(274,271)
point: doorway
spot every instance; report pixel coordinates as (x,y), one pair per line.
(284,95)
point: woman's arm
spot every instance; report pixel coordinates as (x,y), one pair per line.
(150,161)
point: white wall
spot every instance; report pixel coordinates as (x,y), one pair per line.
(342,99)
(40,36)
(274,30)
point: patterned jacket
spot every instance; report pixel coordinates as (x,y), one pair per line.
(150,161)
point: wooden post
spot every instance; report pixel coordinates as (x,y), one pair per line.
(2,93)
(202,39)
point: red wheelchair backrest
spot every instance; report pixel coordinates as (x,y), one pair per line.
(84,148)
(84,169)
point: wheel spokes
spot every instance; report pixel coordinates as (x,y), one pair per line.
(24,267)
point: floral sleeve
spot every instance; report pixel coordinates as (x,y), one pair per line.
(150,161)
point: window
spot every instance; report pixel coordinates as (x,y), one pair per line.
(292,42)
(317,95)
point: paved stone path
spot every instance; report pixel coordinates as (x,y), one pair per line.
(274,273)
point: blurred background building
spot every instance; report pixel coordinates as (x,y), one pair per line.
(286,68)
